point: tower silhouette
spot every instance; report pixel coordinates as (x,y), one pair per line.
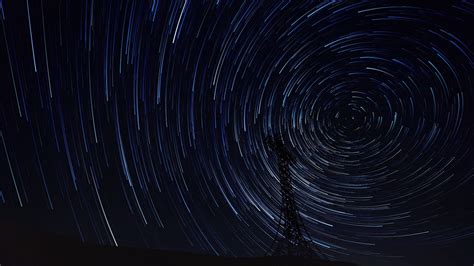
(289,240)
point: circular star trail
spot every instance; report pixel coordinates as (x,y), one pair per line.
(148,118)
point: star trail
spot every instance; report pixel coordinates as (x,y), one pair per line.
(148,118)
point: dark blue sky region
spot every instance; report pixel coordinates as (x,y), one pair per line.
(141,123)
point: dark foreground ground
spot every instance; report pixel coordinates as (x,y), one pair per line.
(21,246)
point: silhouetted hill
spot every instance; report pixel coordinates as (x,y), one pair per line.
(20,246)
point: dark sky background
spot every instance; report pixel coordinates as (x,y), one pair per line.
(141,123)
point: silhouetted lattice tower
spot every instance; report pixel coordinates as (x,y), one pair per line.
(290,226)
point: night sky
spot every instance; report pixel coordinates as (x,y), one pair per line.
(142,123)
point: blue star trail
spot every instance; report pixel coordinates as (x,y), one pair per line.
(143,122)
